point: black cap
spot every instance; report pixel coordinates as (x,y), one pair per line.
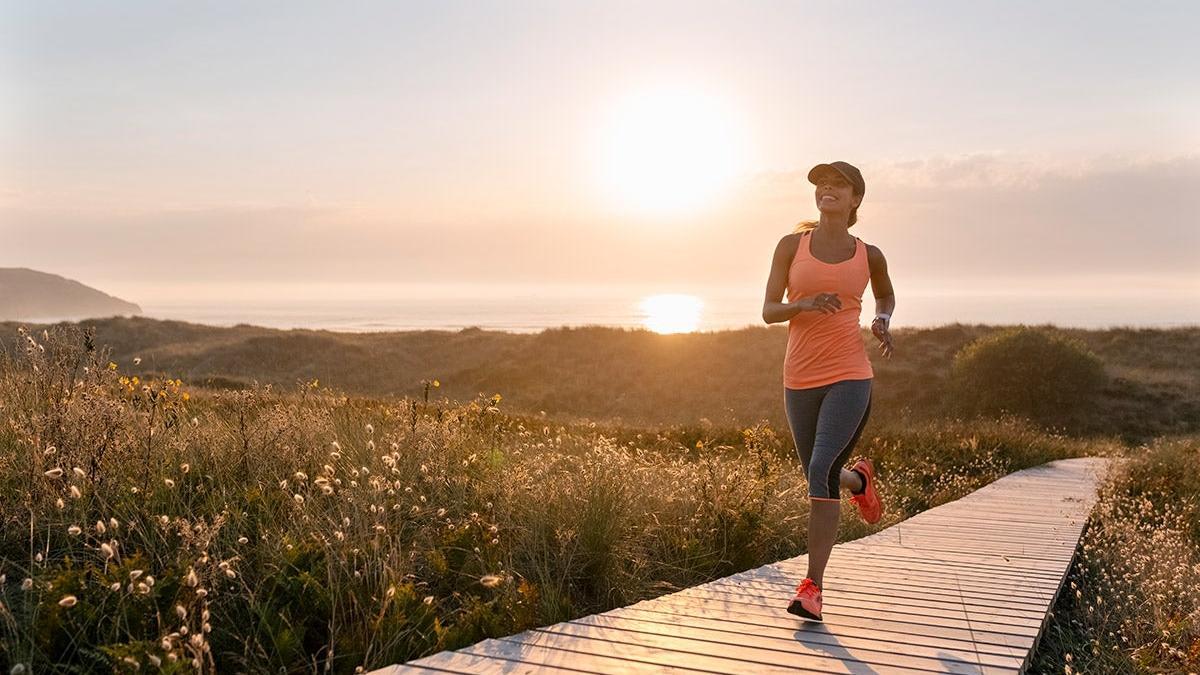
(848,171)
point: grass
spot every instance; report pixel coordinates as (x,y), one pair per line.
(1132,601)
(311,531)
(639,378)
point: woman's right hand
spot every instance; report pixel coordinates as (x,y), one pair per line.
(821,302)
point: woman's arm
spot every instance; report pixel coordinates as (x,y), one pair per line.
(774,309)
(885,299)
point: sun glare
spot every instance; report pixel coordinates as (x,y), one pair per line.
(669,151)
(671,313)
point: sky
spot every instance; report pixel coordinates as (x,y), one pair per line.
(161,150)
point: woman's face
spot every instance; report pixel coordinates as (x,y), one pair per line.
(834,194)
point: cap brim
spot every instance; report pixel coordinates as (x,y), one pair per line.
(813,172)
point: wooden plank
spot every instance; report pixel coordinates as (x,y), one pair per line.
(1005,504)
(1040,517)
(964,587)
(839,620)
(914,539)
(1060,532)
(961,562)
(879,611)
(953,528)
(879,569)
(949,581)
(1048,558)
(836,588)
(1028,592)
(965,513)
(901,588)
(895,622)
(646,657)
(463,661)
(516,655)
(752,650)
(934,569)
(945,550)
(918,541)
(409,669)
(1015,518)
(982,522)
(868,629)
(866,558)
(818,633)
(851,598)
(952,522)
(896,589)
(1024,507)
(968,512)
(886,576)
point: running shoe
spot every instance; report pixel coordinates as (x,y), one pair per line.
(868,500)
(807,602)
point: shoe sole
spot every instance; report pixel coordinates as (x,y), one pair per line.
(798,609)
(871,476)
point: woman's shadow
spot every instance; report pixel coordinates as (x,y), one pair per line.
(828,644)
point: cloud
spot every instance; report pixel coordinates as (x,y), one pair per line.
(992,171)
(1002,215)
(946,221)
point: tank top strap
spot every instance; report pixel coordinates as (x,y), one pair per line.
(803,252)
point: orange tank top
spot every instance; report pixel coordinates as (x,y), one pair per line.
(823,348)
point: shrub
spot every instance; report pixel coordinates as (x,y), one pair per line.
(1035,372)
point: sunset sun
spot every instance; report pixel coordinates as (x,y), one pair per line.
(667,151)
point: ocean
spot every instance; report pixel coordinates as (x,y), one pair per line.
(675,312)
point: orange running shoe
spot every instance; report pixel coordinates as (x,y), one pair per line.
(868,500)
(807,602)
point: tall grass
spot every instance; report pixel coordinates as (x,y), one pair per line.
(641,378)
(308,531)
(1132,603)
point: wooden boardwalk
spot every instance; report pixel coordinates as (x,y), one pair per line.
(962,588)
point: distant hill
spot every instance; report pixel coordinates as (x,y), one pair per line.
(27,294)
(634,376)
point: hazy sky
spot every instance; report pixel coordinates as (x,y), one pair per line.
(159,148)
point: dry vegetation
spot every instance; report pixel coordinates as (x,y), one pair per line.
(635,377)
(1132,603)
(147,523)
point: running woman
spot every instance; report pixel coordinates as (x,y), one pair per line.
(827,375)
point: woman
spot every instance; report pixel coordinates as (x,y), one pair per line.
(827,374)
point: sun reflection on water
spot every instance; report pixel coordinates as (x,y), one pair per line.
(671,312)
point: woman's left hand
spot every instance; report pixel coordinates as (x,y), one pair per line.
(879,328)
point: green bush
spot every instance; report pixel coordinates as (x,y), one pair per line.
(1036,372)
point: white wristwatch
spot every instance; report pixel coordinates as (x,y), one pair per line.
(885,317)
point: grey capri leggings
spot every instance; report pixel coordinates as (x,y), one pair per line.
(826,422)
